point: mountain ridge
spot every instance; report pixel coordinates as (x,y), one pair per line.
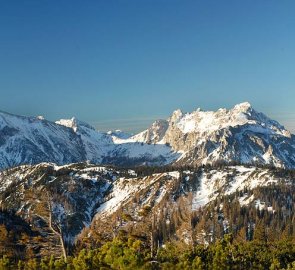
(240,134)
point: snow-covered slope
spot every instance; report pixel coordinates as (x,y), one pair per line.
(205,185)
(32,140)
(97,144)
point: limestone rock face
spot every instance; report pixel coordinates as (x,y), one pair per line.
(240,135)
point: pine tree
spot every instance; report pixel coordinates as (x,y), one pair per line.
(197,264)
(220,260)
(5,263)
(4,239)
(260,233)
(275,265)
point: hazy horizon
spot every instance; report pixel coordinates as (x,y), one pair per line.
(117,64)
(135,125)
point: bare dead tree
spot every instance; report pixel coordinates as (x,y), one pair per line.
(152,235)
(56,229)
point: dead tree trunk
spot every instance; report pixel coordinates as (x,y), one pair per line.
(57,231)
(152,236)
(152,244)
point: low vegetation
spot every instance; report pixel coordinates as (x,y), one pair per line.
(130,253)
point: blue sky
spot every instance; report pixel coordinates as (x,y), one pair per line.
(123,64)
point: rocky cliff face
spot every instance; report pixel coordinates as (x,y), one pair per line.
(240,135)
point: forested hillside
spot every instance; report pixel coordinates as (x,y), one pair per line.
(83,216)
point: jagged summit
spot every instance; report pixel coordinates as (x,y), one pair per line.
(200,121)
(209,121)
(73,123)
(243,107)
(240,134)
(177,114)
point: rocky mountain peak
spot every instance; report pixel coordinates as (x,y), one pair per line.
(74,124)
(176,115)
(243,107)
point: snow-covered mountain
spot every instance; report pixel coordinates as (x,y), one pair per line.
(30,140)
(115,147)
(239,135)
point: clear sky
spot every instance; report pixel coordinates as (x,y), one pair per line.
(124,63)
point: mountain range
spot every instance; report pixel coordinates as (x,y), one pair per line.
(65,184)
(238,135)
